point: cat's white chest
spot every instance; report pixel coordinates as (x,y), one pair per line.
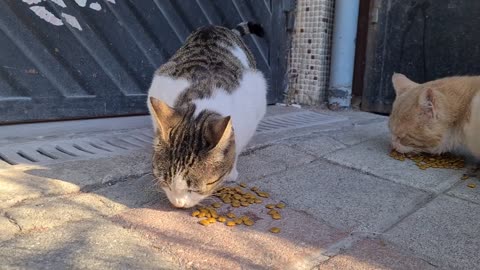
(246,105)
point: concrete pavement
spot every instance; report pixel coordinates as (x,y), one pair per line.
(349,206)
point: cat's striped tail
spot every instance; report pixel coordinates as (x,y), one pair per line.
(245,28)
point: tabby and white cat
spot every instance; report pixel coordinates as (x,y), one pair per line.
(206,103)
(436,117)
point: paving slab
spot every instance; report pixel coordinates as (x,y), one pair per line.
(375,254)
(16,186)
(133,192)
(363,131)
(8,228)
(314,144)
(49,212)
(95,244)
(462,190)
(220,247)
(32,181)
(445,231)
(95,172)
(373,157)
(345,198)
(258,163)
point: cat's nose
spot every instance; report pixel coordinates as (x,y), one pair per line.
(179,203)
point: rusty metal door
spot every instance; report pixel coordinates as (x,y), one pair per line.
(71,59)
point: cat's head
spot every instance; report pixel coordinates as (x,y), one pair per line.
(417,121)
(192,154)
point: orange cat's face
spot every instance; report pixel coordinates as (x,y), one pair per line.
(416,121)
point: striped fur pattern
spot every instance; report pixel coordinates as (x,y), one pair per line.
(195,148)
(206,61)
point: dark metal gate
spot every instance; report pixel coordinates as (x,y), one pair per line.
(70,59)
(425,40)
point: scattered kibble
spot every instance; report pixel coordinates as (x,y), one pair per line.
(275,230)
(204,222)
(270,206)
(276,216)
(244,204)
(472,185)
(237,196)
(425,161)
(280,205)
(248,222)
(273,212)
(238,221)
(263,194)
(212,220)
(465,177)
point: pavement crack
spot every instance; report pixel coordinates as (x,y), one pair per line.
(250,151)
(95,187)
(13,221)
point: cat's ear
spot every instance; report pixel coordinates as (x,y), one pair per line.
(401,83)
(165,116)
(428,103)
(220,132)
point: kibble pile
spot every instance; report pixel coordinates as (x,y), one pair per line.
(237,196)
(425,161)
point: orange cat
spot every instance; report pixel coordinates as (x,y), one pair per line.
(436,117)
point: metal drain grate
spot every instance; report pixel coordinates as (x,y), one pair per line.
(49,152)
(295,120)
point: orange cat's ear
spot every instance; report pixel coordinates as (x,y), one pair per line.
(428,103)
(401,83)
(165,116)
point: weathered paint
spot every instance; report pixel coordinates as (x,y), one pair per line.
(60,3)
(46,15)
(72,21)
(81,3)
(96,6)
(50,72)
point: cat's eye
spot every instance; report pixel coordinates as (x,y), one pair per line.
(216,181)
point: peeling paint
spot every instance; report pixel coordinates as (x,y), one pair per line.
(31,2)
(95,6)
(81,3)
(46,15)
(72,21)
(37,6)
(60,3)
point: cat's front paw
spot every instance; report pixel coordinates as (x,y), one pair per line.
(232,176)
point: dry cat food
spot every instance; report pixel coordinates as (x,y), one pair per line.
(275,230)
(237,196)
(425,161)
